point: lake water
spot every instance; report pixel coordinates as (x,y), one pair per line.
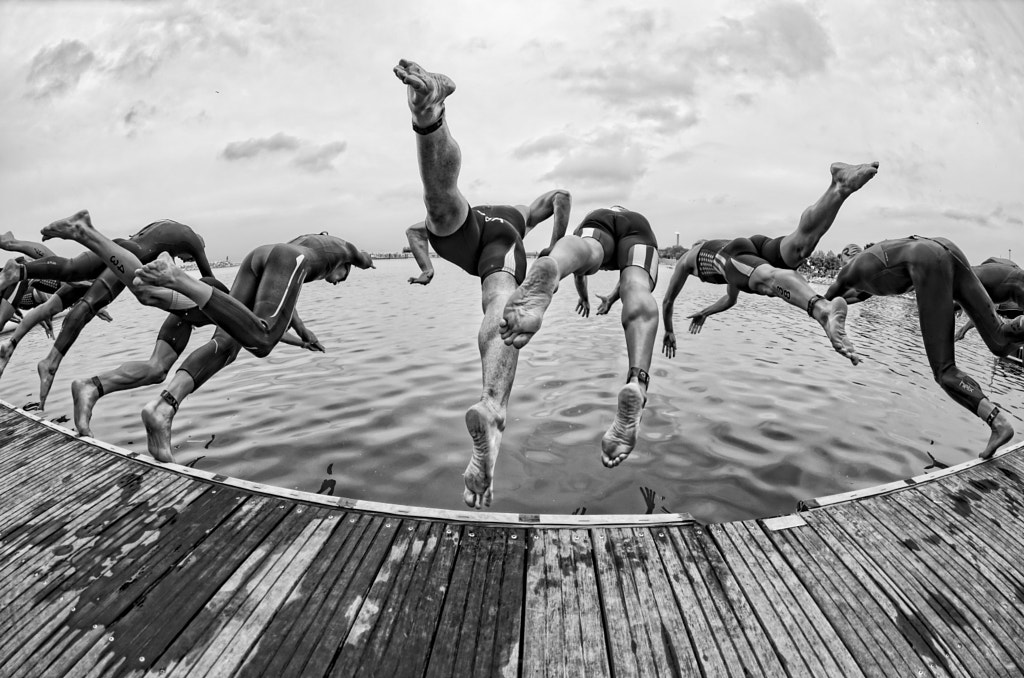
(753,414)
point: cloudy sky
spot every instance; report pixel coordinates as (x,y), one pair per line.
(257,121)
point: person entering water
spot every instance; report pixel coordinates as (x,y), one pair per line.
(612,239)
(485,241)
(940,274)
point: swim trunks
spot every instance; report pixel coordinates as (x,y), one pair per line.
(742,256)
(490,240)
(626,238)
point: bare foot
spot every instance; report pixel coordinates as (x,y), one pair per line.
(1002,431)
(832,317)
(46,369)
(6,351)
(620,439)
(68,229)
(160,272)
(84,394)
(485,428)
(524,310)
(10,274)
(850,178)
(6,239)
(157,415)
(426,91)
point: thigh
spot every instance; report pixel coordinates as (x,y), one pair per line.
(462,247)
(283,273)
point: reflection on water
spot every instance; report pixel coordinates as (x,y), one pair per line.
(753,414)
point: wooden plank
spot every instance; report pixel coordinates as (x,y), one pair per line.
(490,604)
(668,631)
(701,631)
(962,587)
(752,645)
(554,612)
(345,599)
(475,614)
(507,655)
(772,610)
(816,627)
(888,622)
(575,625)
(412,570)
(374,605)
(65,609)
(928,647)
(83,554)
(420,615)
(628,651)
(231,623)
(535,604)
(930,596)
(850,622)
(297,619)
(48,475)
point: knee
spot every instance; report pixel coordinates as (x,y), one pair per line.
(155,373)
(146,295)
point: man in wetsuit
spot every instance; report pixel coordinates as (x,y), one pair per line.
(615,239)
(254,316)
(939,273)
(1004,282)
(27,294)
(174,334)
(767,266)
(161,236)
(485,241)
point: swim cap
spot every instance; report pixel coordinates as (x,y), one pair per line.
(851,250)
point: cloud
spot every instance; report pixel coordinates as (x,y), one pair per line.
(609,161)
(136,118)
(998,218)
(319,159)
(667,117)
(305,155)
(783,39)
(56,70)
(250,148)
(551,143)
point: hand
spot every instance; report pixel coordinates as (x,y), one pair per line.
(961,333)
(102,314)
(605,306)
(697,322)
(648,495)
(583,307)
(422,279)
(48,328)
(311,343)
(668,344)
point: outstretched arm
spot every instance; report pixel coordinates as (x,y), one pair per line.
(962,332)
(557,204)
(302,337)
(583,306)
(419,244)
(723,304)
(675,285)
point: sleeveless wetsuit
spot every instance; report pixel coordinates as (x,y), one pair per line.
(490,240)
(626,238)
(710,265)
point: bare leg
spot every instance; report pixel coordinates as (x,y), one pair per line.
(47,369)
(640,324)
(85,393)
(1002,430)
(817,219)
(792,288)
(44,311)
(158,416)
(78,227)
(486,419)
(440,157)
(525,309)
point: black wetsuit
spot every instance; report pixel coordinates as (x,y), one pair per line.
(490,240)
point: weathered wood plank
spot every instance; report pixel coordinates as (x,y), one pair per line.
(629,651)
(346,598)
(507,643)
(808,616)
(928,648)
(772,610)
(535,616)
(932,591)
(476,613)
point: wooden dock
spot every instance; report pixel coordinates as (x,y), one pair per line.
(112,564)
